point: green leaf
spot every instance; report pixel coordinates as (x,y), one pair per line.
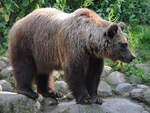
(2,25)
(25,3)
(6,17)
(37,6)
(1,10)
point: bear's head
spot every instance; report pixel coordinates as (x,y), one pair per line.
(117,47)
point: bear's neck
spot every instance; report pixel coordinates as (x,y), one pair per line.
(96,43)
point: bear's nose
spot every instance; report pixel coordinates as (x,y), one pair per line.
(133,56)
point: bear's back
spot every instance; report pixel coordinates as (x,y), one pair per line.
(40,18)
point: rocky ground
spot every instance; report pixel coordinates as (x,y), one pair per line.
(121,94)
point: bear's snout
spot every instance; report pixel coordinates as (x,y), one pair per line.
(132,58)
(129,58)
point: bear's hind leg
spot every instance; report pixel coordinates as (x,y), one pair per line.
(42,81)
(93,78)
(24,73)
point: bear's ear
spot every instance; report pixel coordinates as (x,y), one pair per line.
(112,30)
(122,25)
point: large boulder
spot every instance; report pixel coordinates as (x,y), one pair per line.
(146,96)
(72,107)
(116,78)
(6,72)
(104,89)
(110,105)
(17,103)
(137,93)
(2,64)
(135,79)
(4,59)
(6,86)
(123,89)
(118,105)
(141,94)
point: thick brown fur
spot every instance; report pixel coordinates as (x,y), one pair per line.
(48,39)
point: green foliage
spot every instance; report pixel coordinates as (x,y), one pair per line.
(131,11)
(131,70)
(139,39)
(12,11)
(87,3)
(62,5)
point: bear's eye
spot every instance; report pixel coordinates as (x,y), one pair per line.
(124,45)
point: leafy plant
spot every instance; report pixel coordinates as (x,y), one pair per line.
(131,11)
(87,3)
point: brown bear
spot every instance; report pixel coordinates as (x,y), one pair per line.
(77,43)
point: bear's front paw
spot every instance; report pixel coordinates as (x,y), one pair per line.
(52,94)
(91,100)
(28,93)
(96,100)
(56,94)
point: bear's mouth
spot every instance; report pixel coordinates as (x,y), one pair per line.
(125,60)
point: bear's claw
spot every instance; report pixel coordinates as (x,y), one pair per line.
(53,95)
(29,94)
(91,100)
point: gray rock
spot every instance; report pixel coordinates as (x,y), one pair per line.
(0,88)
(61,86)
(137,93)
(48,102)
(11,80)
(142,86)
(116,78)
(146,96)
(69,96)
(6,86)
(40,98)
(144,67)
(4,59)
(72,107)
(141,94)
(121,106)
(6,72)
(145,112)
(135,79)
(2,64)
(124,89)
(104,89)
(110,105)
(17,103)
(107,70)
